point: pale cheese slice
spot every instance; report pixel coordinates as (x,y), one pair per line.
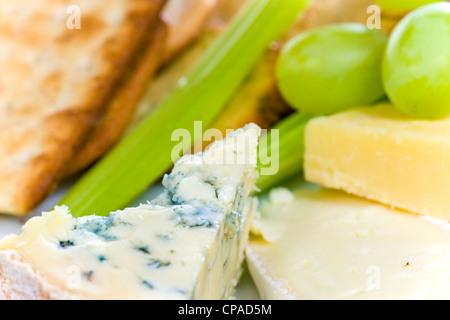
(328,245)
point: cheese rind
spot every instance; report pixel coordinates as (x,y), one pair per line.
(327,244)
(380,154)
(188,243)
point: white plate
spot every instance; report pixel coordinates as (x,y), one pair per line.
(11,225)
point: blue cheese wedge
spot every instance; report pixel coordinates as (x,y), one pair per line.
(188,243)
(320,244)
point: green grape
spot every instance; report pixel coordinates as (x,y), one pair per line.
(416,66)
(402,6)
(332,68)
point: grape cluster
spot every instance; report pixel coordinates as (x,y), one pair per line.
(337,67)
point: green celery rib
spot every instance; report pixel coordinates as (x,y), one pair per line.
(289,149)
(144,155)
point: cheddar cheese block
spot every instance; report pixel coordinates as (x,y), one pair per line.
(322,244)
(380,154)
(188,243)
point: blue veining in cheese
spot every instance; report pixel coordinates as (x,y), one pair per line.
(188,243)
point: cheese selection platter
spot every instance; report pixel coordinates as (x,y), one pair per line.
(225,149)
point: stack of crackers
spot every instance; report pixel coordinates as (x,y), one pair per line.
(72,75)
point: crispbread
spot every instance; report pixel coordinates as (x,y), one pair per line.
(185,20)
(54,84)
(182,22)
(120,109)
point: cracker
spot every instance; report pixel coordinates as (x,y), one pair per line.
(120,110)
(54,84)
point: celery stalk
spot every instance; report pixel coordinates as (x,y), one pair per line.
(144,155)
(289,149)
